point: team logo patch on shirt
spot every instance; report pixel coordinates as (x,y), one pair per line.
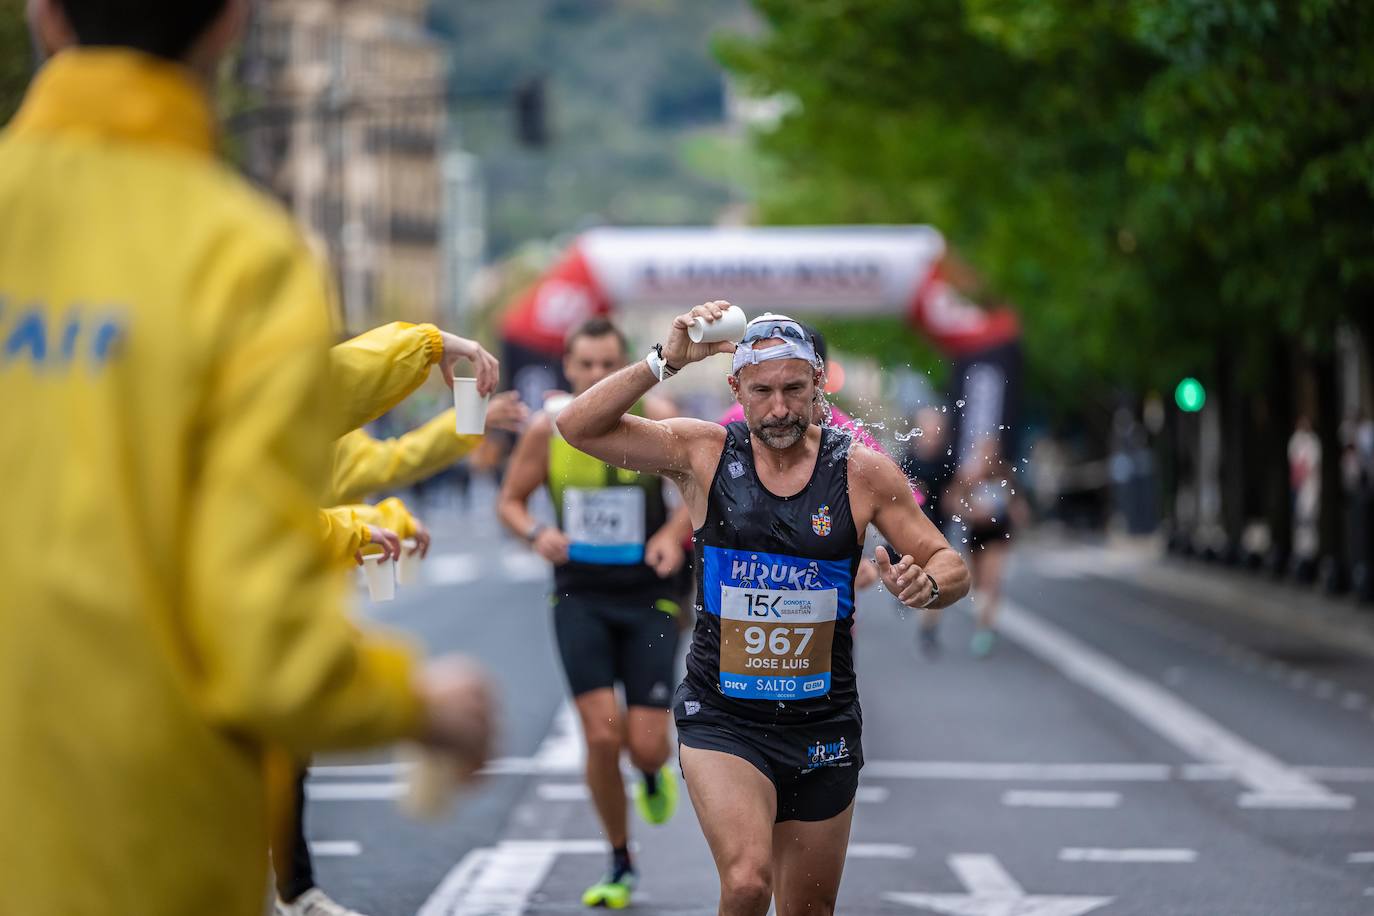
(736,469)
(820,521)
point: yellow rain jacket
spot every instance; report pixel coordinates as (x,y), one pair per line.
(343,532)
(375,371)
(363,465)
(169,611)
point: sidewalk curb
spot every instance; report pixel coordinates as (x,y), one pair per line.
(1240,594)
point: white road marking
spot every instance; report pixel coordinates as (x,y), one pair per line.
(354,791)
(1353,699)
(524,567)
(991,891)
(880,851)
(451,569)
(1361,858)
(1023,799)
(577,791)
(361,770)
(500,880)
(1271,783)
(1075,854)
(984,876)
(335,848)
(1015,772)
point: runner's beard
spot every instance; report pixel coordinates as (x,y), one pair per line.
(781,434)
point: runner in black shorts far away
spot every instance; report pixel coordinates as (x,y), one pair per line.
(616,552)
(768,718)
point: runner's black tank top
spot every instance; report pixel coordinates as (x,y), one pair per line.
(775,590)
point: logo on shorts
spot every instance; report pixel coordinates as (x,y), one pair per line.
(826,754)
(691,707)
(820,522)
(659,692)
(737,469)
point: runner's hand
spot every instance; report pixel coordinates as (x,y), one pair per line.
(507,412)
(679,350)
(386,539)
(664,554)
(906,580)
(552,545)
(487,369)
(459,712)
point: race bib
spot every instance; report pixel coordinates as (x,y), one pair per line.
(777,621)
(604,526)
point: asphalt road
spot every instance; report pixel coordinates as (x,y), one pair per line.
(1127,750)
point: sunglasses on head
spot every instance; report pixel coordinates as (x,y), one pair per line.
(775,331)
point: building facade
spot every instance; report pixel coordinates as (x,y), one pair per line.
(344,120)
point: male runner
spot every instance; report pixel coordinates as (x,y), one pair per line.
(615,555)
(768,717)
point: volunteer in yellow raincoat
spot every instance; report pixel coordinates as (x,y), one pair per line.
(163,342)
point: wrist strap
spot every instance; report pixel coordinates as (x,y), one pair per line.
(658,365)
(934,591)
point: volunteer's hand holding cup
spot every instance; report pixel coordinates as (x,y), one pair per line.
(485,367)
(458,732)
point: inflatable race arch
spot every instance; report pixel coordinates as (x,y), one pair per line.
(834,271)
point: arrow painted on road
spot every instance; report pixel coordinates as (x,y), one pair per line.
(993,892)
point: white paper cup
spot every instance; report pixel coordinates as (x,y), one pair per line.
(730,327)
(470,407)
(381,576)
(408,567)
(431,785)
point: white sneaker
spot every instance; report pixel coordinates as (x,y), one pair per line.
(314,902)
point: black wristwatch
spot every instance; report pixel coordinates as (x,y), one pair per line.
(534,531)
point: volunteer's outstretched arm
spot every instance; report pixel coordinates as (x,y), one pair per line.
(377,370)
(364,465)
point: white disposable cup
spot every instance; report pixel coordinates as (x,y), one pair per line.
(408,567)
(729,326)
(431,785)
(381,576)
(469,407)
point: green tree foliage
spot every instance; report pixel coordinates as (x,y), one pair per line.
(630,83)
(16,57)
(1144,179)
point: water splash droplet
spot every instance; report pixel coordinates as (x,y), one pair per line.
(959,403)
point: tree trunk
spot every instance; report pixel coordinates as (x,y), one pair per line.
(1331,526)
(1279,417)
(1233,457)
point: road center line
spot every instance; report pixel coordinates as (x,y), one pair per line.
(1270,782)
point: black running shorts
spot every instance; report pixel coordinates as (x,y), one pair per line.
(814,767)
(605,640)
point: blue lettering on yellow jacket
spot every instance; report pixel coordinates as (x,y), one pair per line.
(32,335)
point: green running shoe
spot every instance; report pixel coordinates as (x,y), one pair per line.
(658,807)
(612,891)
(983,641)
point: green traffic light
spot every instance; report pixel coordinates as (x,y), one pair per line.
(1189,395)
